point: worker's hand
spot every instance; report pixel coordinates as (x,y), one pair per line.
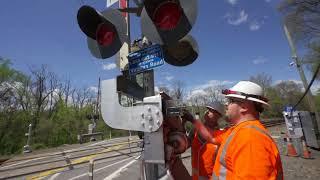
(187,116)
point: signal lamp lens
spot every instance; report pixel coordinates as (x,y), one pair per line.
(167,15)
(105,34)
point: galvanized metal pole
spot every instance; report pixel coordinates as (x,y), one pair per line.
(27,148)
(29,134)
(90,173)
(151,169)
(316,121)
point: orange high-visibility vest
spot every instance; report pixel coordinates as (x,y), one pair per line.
(247,151)
(203,156)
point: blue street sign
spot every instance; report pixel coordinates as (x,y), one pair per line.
(145,59)
(288,108)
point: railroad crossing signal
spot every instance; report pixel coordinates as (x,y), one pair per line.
(163,22)
(106,31)
(183,53)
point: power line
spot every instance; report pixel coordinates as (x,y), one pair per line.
(309,86)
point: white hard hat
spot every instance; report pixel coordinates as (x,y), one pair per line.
(217,106)
(247,90)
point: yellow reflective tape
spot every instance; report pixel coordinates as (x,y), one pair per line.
(87,158)
(74,162)
(44,174)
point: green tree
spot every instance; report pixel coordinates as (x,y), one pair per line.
(317,100)
(263,79)
(312,58)
(12,120)
(290,93)
(302,18)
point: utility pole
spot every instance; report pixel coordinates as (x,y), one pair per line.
(316,121)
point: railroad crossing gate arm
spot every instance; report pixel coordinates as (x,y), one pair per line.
(146,116)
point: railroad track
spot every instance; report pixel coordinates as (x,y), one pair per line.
(271,123)
(69,152)
(68,159)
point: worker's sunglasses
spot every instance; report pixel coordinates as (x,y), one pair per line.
(213,111)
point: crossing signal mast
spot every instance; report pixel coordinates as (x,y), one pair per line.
(165,23)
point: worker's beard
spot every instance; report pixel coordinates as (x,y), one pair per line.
(231,119)
(211,124)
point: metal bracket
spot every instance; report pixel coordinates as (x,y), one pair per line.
(145,116)
(135,10)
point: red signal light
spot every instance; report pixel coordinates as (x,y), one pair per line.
(105,34)
(167,15)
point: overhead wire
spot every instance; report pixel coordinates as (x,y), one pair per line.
(309,86)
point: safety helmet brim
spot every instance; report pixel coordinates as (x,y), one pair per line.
(248,98)
(211,108)
(217,107)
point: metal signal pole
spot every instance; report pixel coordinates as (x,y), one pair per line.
(148,171)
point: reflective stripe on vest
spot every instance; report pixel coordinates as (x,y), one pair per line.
(223,168)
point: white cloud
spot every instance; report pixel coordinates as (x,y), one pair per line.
(315,88)
(260,60)
(237,19)
(109,66)
(213,83)
(254,26)
(200,89)
(232,2)
(198,92)
(156,89)
(93,89)
(169,78)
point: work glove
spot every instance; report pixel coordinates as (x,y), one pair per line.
(187,116)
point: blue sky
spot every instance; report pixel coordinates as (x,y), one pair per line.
(236,38)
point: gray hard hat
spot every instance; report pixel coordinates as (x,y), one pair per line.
(217,106)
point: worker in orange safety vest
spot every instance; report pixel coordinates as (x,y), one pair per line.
(247,151)
(202,153)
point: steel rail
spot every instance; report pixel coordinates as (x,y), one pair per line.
(65,166)
(72,151)
(64,159)
(265,123)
